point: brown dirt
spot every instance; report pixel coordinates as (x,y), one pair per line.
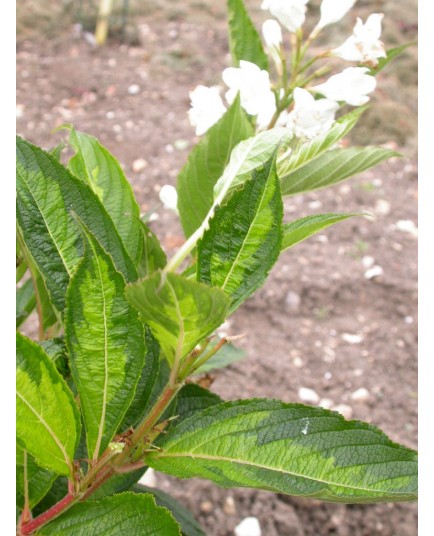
(317,292)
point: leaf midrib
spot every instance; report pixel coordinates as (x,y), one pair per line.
(274,469)
(258,212)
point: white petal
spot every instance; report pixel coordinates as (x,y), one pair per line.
(272,34)
(351,85)
(333,11)
(206,108)
(290,13)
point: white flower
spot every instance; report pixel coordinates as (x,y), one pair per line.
(364,45)
(290,13)
(206,108)
(311,118)
(351,85)
(272,34)
(169,197)
(333,10)
(254,87)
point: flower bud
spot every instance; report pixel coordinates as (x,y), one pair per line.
(290,13)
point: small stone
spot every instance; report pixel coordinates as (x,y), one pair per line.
(361,395)
(382,207)
(345,410)
(326,403)
(328,376)
(19,111)
(139,165)
(375,271)
(229,506)
(206,507)
(408,320)
(351,338)
(134,89)
(308,395)
(248,527)
(292,300)
(298,362)
(149,479)
(407,226)
(368,261)
(313,205)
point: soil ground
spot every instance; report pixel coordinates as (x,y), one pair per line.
(317,322)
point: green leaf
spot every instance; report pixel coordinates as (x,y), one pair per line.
(57,352)
(206,164)
(180,312)
(298,230)
(189,525)
(25,301)
(153,257)
(38,480)
(47,195)
(36,293)
(391,54)
(21,265)
(193,398)
(316,147)
(332,167)
(244,237)
(146,384)
(289,448)
(50,436)
(105,342)
(244,40)
(95,165)
(129,514)
(247,156)
(55,494)
(227,355)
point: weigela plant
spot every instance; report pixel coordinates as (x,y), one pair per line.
(106,391)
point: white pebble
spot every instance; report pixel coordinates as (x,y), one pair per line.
(326,403)
(382,207)
(313,205)
(149,479)
(292,300)
(375,271)
(407,226)
(19,110)
(408,320)
(139,165)
(368,261)
(134,89)
(169,197)
(308,395)
(345,410)
(248,527)
(351,338)
(298,362)
(361,395)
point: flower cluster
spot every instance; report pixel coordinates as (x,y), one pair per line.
(307,110)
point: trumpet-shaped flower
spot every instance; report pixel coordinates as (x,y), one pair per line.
(352,85)
(311,118)
(254,87)
(169,197)
(333,11)
(206,108)
(364,45)
(290,13)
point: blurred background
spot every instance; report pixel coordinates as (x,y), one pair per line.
(322,321)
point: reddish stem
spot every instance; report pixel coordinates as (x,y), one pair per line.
(48,515)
